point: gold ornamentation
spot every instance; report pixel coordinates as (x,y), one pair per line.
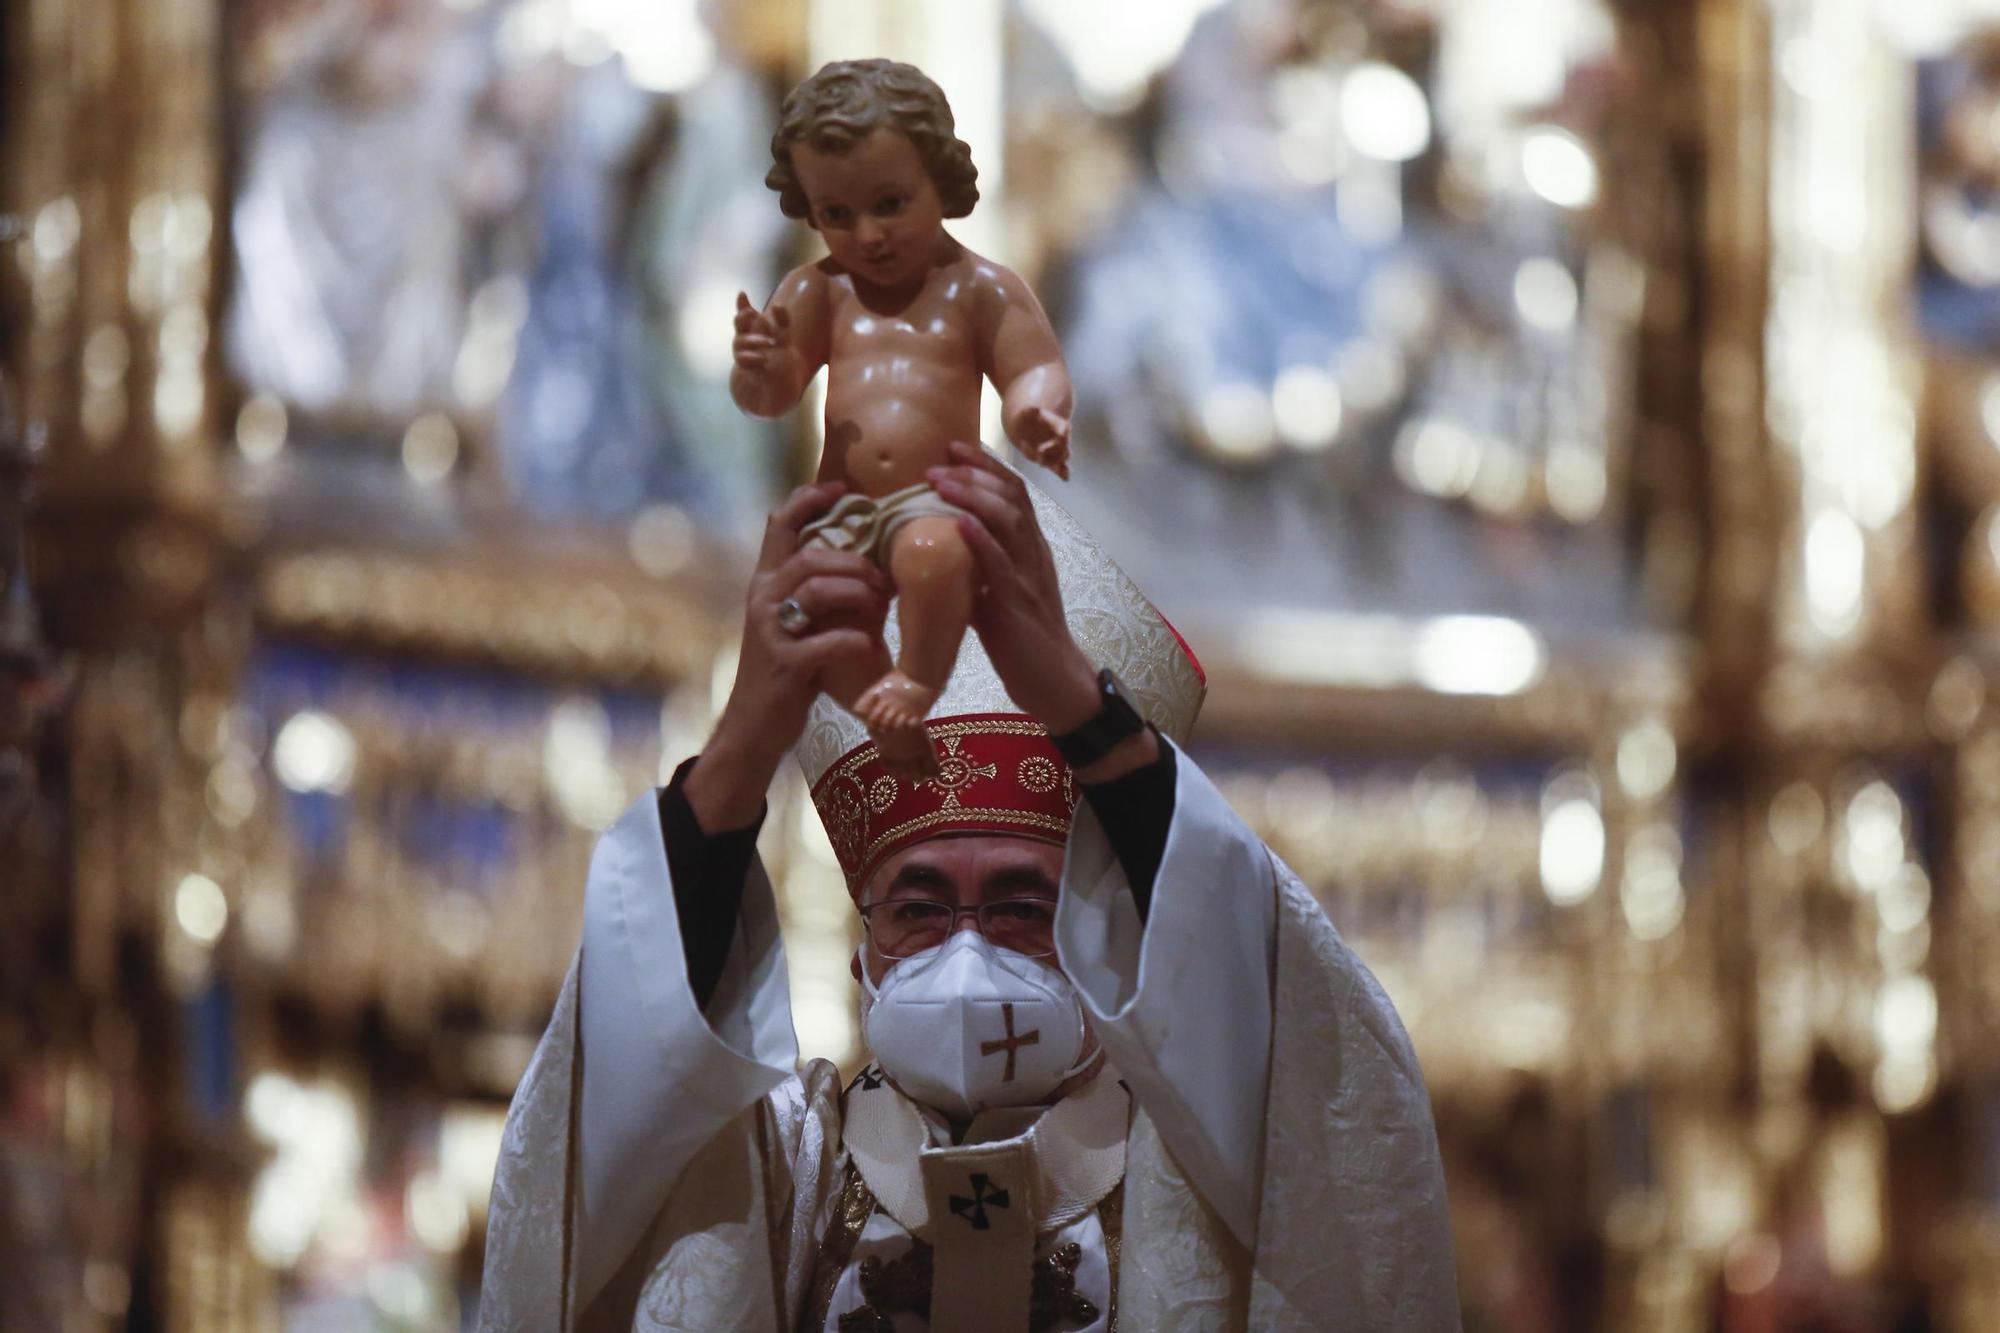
(900,1286)
(956,772)
(1052,1298)
(857,1204)
(1056,829)
(617,626)
(1111,1216)
(846,821)
(903,1286)
(847,776)
(1039,774)
(882,794)
(866,754)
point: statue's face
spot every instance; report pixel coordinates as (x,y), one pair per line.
(964,870)
(875,206)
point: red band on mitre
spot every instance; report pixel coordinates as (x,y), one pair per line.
(998,773)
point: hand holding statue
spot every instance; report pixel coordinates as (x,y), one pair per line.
(808,611)
(1019,615)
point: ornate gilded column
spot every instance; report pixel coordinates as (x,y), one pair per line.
(1962,420)
(1831,968)
(113,154)
(1733,46)
(115,168)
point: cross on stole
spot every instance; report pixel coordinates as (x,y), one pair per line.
(1009,1043)
(973,1209)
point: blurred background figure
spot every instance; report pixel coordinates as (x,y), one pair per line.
(1569,430)
(584,176)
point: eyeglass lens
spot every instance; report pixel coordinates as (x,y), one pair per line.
(911,925)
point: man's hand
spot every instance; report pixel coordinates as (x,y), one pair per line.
(1018,613)
(777,673)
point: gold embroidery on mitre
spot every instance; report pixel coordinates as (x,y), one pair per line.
(846,820)
(842,791)
(1039,774)
(881,794)
(1057,830)
(956,772)
(866,754)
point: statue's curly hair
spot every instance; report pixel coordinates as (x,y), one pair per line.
(848,98)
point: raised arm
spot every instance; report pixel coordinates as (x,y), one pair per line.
(1019,352)
(675,1019)
(780,348)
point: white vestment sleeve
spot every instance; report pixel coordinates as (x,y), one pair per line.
(660,1077)
(1182,1002)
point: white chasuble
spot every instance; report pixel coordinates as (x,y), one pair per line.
(665,1168)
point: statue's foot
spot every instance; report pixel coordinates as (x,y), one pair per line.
(895,703)
(894,709)
(910,756)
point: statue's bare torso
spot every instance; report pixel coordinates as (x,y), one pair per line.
(903,383)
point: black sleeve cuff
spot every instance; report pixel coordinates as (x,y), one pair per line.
(708,872)
(1136,811)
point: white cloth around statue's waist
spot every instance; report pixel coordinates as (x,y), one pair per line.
(867,524)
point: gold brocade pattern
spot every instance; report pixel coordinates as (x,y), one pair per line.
(857,1203)
(1111,1217)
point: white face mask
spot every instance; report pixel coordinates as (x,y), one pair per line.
(966,1026)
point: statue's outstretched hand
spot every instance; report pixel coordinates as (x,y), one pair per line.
(1044,436)
(761,338)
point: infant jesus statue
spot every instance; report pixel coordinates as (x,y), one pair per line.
(906,320)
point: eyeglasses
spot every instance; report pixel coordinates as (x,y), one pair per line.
(903,926)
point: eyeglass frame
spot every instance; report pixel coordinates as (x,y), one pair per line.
(868,926)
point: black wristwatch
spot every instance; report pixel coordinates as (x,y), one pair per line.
(1116,719)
